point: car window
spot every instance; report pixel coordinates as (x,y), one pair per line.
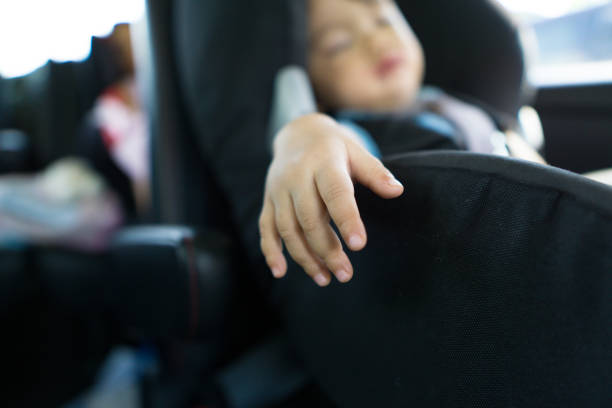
(33,32)
(570,41)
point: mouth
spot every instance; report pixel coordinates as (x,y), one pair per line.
(387,65)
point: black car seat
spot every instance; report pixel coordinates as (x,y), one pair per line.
(489,308)
(207,94)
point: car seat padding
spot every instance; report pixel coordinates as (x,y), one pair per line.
(488,283)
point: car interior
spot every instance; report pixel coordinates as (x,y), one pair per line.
(500,294)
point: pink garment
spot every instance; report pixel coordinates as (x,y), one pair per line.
(124,130)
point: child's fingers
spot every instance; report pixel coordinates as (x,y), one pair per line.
(338,193)
(323,241)
(271,244)
(293,237)
(370,172)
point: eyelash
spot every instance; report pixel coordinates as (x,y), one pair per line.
(336,49)
(339,49)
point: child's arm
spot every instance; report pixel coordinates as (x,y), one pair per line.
(519,148)
(309,184)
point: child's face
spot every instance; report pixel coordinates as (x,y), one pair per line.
(363,55)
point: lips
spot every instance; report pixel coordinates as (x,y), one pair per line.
(388,65)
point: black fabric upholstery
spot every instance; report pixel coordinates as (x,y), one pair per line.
(4,105)
(15,151)
(227,54)
(394,133)
(51,346)
(471,48)
(61,311)
(191,143)
(170,282)
(487,284)
(184,190)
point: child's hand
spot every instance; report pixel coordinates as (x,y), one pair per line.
(309,183)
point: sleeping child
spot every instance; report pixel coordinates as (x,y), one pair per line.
(366,67)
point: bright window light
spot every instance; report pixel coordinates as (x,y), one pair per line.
(568,42)
(33,32)
(548,8)
(572,73)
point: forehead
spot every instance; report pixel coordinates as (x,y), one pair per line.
(326,12)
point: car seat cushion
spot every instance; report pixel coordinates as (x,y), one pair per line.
(488,283)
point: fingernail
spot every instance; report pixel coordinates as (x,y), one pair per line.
(392,181)
(343,276)
(321,280)
(355,241)
(277,273)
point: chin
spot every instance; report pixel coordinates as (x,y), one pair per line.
(389,97)
(400,99)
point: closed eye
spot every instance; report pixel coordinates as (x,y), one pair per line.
(383,21)
(336,42)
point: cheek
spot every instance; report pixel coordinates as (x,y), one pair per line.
(342,82)
(414,68)
(418,58)
(355,82)
(416,55)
